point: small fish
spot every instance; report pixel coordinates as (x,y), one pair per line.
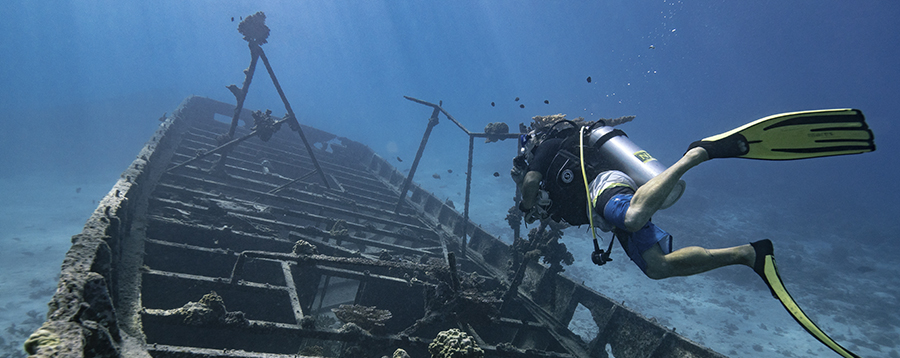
(517,99)
(589,79)
(399,160)
(493,104)
(163,118)
(497,174)
(436,176)
(17,239)
(449,170)
(77,190)
(652,47)
(521,106)
(546,101)
(242,18)
(232,19)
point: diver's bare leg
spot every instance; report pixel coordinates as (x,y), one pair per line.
(693,260)
(651,196)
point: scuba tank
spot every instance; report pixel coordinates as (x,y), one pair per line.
(614,146)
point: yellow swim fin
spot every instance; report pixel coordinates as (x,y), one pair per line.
(794,135)
(766,268)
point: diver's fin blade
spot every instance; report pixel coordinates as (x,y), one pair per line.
(806,134)
(774,281)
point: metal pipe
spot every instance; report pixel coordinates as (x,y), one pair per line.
(468,195)
(433,121)
(438,107)
(293,119)
(248,77)
(285,185)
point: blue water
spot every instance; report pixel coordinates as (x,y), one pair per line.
(83,83)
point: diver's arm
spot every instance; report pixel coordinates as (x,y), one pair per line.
(530,187)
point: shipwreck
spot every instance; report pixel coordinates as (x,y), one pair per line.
(276,239)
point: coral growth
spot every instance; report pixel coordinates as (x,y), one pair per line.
(538,122)
(264,124)
(254,28)
(315,351)
(339,229)
(514,217)
(454,344)
(495,128)
(210,310)
(365,317)
(303,247)
(543,242)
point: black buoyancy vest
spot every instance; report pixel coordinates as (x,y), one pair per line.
(565,184)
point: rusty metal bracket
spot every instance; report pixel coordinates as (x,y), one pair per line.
(433,121)
(255,33)
(222,148)
(472,135)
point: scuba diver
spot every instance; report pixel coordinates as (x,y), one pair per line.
(590,173)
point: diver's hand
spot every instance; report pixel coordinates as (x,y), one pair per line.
(517,175)
(535,214)
(538,211)
(519,162)
(520,167)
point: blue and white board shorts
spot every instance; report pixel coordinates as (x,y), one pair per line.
(636,243)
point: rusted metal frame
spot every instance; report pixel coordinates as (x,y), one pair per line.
(240,97)
(363,282)
(288,330)
(523,266)
(438,107)
(325,286)
(313,217)
(362,276)
(454,277)
(362,228)
(432,121)
(465,327)
(211,280)
(517,323)
(405,342)
(290,115)
(285,185)
(558,330)
(340,187)
(224,147)
(465,228)
(472,136)
(184,246)
(255,50)
(292,291)
(337,200)
(330,249)
(381,196)
(310,234)
(323,260)
(245,168)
